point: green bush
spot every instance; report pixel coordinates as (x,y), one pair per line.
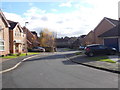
(18,54)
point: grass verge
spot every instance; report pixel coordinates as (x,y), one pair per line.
(66,49)
(15,55)
(78,53)
(101,58)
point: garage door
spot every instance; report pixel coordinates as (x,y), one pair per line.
(111,42)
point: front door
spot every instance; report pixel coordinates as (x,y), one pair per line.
(16,48)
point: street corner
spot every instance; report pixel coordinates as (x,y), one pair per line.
(11,64)
(107,63)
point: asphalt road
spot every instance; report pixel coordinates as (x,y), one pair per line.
(53,70)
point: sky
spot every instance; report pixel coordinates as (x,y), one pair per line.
(66,17)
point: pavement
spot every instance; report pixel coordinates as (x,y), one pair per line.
(83,60)
(80,59)
(10,64)
(114,58)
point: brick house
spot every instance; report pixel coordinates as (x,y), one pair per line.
(88,39)
(65,42)
(105,25)
(4,35)
(62,43)
(36,41)
(17,38)
(78,42)
(32,39)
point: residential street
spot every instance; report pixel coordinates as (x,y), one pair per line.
(54,70)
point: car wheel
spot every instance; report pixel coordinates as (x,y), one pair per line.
(112,53)
(91,54)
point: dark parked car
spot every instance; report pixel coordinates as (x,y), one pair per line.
(38,49)
(94,49)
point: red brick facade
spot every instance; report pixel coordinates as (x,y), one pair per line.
(32,40)
(88,39)
(102,27)
(17,38)
(93,36)
(4,35)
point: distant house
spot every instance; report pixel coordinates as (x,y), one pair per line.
(34,33)
(4,35)
(105,25)
(111,37)
(78,42)
(37,41)
(17,38)
(62,43)
(89,39)
(65,42)
(32,39)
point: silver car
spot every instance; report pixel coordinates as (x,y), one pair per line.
(38,49)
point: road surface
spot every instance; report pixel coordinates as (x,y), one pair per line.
(54,70)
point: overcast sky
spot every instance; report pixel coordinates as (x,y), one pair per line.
(66,17)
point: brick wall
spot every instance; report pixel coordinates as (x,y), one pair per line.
(4,35)
(101,28)
(89,38)
(17,40)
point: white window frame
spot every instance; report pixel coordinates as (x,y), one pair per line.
(2,45)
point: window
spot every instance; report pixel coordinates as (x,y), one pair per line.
(1,45)
(102,47)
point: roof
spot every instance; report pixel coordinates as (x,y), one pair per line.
(112,32)
(5,20)
(115,22)
(61,40)
(26,30)
(34,33)
(93,45)
(29,41)
(12,24)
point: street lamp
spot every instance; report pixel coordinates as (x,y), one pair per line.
(26,23)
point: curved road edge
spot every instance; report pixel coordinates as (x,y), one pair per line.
(17,64)
(93,66)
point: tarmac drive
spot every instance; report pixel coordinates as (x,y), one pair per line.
(53,70)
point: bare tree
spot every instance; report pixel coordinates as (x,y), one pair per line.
(47,38)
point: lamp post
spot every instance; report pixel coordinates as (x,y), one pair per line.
(26,23)
(26,37)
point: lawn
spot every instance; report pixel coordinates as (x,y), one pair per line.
(101,58)
(66,49)
(78,53)
(15,55)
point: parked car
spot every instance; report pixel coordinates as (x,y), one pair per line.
(38,49)
(81,47)
(94,49)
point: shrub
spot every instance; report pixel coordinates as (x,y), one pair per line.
(18,54)
(11,54)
